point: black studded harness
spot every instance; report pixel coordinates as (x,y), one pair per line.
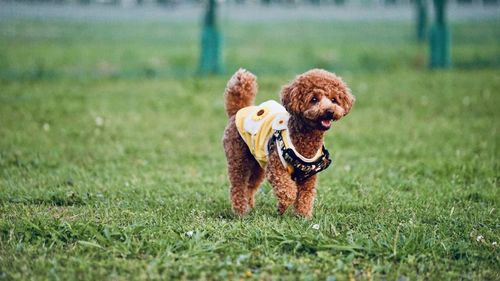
(301,170)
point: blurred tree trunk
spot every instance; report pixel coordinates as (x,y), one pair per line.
(440,55)
(210,42)
(421,7)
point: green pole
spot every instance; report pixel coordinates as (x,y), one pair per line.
(440,54)
(421,6)
(210,42)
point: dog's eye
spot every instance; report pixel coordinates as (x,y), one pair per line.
(334,100)
(314,100)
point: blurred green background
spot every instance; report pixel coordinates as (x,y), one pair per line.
(89,42)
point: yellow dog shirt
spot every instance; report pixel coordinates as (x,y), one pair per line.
(256,125)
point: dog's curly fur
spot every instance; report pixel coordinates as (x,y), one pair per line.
(312,99)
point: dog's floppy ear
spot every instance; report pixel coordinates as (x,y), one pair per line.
(348,101)
(289,94)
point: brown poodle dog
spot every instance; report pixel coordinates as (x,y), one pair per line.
(313,100)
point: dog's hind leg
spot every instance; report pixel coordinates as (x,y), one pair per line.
(239,171)
(239,176)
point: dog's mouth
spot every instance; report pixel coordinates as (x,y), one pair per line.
(322,122)
(326,123)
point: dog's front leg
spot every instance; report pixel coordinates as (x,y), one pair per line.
(283,186)
(305,197)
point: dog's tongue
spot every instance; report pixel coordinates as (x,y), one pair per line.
(326,122)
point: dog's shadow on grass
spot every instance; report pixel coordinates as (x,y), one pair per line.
(221,209)
(227,214)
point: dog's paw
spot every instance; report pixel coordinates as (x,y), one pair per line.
(282,208)
(241,211)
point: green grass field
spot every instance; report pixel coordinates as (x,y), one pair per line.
(112,166)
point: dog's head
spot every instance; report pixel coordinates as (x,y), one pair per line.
(317,97)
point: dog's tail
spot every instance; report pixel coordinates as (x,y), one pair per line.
(240,91)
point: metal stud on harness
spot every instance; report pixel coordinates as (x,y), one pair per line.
(301,169)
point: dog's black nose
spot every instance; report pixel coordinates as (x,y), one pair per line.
(329,114)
